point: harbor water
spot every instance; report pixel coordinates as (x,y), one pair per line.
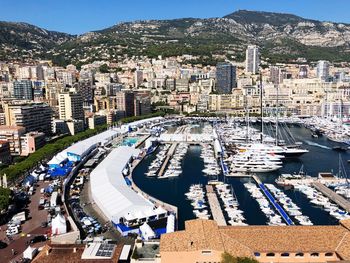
(320,158)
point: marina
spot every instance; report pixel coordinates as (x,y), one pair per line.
(284,206)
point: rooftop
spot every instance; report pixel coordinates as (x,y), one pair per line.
(245,240)
(80,147)
(148,250)
(11,128)
(110,191)
(53,253)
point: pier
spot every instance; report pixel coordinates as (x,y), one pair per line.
(157,202)
(170,153)
(215,206)
(339,200)
(272,200)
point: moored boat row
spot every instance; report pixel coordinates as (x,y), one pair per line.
(273,218)
(230,204)
(289,206)
(196,195)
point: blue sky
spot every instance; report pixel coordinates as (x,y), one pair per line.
(80,16)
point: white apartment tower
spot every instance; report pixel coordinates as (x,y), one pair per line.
(71,106)
(252,59)
(322,70)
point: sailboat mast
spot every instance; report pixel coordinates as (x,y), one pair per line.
(341,110)
(261,110)
(247,119)
(340,171)
(277,114)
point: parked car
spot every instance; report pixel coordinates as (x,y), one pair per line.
(2,245)
(12,231)
(38,239)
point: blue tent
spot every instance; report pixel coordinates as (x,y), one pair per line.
(29,180)
(48,189)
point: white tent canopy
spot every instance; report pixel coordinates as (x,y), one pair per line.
(170,224)
(59,225)
(30,252)
(110,191)
(147,232)
(139,123)
(83,147)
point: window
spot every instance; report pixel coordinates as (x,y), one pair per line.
(315,254)
(270,254)
(206,252)
(300,254)
(257,254)
(285,254)
(329,254)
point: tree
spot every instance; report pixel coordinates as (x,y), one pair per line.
(135,255)
(228,258)
(104,68)
(5,196)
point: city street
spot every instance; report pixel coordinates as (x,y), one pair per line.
(32,227)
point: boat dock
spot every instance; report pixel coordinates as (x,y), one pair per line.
(339,200)
(224,168)
(170,153)
(215,206)
(272,200)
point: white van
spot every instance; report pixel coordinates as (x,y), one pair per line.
(12,231)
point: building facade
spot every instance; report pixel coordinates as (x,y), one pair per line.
(322,70)
(23,90)
(225,78)
(31,142)
(12,135)
(31,116)
(252,60)
(125,103)
(71,106)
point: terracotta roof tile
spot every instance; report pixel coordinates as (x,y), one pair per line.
(345,223)
(287,238)
(343,248)
(245,240)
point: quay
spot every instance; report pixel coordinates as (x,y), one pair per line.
(339,200)
(239,175)
(272,200)
(215,206)
(170,153)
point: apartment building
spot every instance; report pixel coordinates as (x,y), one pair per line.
(31,142)
(12,134)
(71,106)
(31,116)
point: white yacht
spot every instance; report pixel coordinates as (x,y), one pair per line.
(254,166)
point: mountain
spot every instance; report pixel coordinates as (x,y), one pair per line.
(281,37)
(22,39)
